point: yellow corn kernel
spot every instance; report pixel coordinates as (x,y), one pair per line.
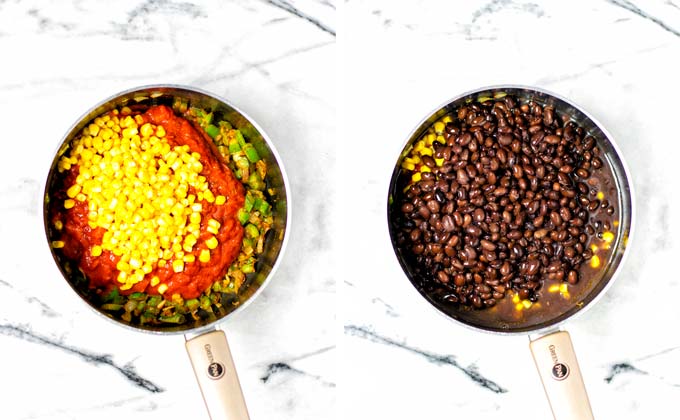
(415,177)
(608,237)
(211,243)
(554,288)
(408,166)
(429,139)
(93,129)
(189,258)
(154,281)
(123,266)
(135,263)
(81,197)
(213,226)
(426,151)
(163,287)
(439,162)
(204,256)
(96,251)
(441,139)
(69,203)
(189,242)
(600,195)
(160,131)
(58,225)
(425,168)
(564,288)
(593,247)
(447,119)
(73,191)
(220,199)
(122,277)
(595,261)
(208,196)
(515,298)
(57,244)
(519,307)
(439,127)
(177,266)
(527,303)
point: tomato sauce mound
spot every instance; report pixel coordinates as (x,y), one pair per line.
(79,237)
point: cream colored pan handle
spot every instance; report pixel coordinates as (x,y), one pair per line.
(216,375)
(556,363)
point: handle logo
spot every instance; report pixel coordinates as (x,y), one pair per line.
(215,369)
(560,370)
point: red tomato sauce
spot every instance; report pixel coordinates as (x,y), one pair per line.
(79,237)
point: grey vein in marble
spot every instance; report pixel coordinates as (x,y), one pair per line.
(627,5)
(619,368)
(136,30)
(97,359)
(259,64)
(279,367)
(389,310)
(498,5)
(470,372)
(285,367)
(44,308)
(284,5)
(46,24)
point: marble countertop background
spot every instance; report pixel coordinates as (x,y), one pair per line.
(276,59)
(619,60)
(273,59)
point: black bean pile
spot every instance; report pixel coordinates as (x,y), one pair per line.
(502,205)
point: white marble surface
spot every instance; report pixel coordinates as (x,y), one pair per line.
(274,59)
(617,59)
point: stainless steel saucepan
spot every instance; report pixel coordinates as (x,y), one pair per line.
(206,344)
(550,344)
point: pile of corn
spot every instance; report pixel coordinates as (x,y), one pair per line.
(412,160)
(137,187)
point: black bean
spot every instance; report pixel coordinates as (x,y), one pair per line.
(487,245)
(478,215)
(428,161)
(572,278)
(448,224)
